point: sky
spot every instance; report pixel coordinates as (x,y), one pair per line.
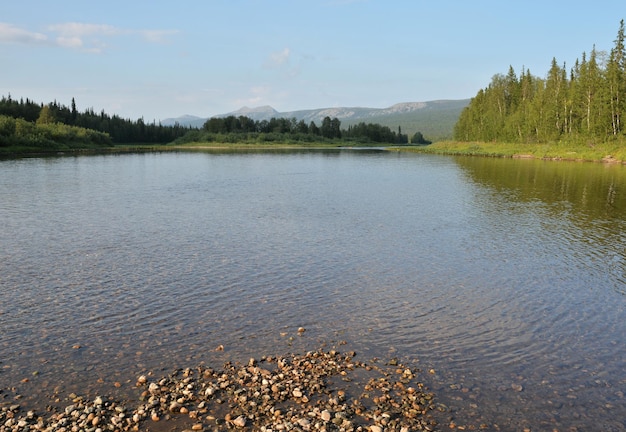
(162,59)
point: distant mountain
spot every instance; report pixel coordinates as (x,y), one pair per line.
(435,119)
(185,120)
(265,112)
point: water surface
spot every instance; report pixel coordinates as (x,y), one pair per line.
(508,277)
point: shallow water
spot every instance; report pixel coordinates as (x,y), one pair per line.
(508,277)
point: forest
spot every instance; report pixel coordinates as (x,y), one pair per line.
(585,104)
(26,124)
(242,129)
(53,126)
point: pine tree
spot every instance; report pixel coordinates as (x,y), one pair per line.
(616,80)
(74,111)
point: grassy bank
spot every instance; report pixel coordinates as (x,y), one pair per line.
(614,152)
(597,152)
(254,145)
(32,150)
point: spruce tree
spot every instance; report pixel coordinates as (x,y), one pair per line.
(616,81)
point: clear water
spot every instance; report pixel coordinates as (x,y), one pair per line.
(508,277)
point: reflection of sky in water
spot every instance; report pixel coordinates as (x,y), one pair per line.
(494,271)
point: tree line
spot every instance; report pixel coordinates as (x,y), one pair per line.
(17,132)
(330,128)
(233,129)
(25,122)
(119,130)
(587,103)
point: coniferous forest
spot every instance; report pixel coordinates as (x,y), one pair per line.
(586,103)
(243,129)
(26,124)
(54,126)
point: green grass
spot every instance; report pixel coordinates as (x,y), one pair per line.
(599,152)
(255,145)
(26,150)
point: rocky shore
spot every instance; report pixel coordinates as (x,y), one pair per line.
(316,391)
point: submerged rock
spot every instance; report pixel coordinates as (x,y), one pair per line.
(314,391)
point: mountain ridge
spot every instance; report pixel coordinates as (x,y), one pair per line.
(435,119)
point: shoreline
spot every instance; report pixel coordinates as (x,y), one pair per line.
(315,391)
(612,154)
(601,153)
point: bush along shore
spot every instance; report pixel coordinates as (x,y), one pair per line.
(316,391)
(608,152)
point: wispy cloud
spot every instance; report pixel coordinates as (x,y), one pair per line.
(157,36)
(277,59)
(85,37)
(74,29)
(283,62)
(256,95)
(12,34)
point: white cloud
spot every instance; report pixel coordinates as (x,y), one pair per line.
(257,96)
(157,36)
(74,29)
(70,42)
(85,37)
(277,59)
(11,34)
(281,61)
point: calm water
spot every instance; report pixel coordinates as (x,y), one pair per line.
(508,277)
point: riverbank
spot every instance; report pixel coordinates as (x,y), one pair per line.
(19,152)
(604,152)
(318,390)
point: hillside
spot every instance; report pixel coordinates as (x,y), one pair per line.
(435,119)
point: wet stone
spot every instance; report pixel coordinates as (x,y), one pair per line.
(314,391)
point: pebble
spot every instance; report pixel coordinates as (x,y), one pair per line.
(240,421)
(517,387)
(249,396)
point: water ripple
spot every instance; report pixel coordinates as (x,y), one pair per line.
(478,267)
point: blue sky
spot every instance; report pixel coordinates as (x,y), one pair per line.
(158,59)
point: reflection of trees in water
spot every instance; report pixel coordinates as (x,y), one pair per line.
(595,191)
(589,196)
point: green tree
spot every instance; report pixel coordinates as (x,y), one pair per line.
(335,126)
(45,115)
(331,128)
(587,94)
(590,103)
(302,127)
(554,101)
(74,111)
(215,125)
(418,138)
(616,80)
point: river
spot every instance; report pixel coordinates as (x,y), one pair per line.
(505,277)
